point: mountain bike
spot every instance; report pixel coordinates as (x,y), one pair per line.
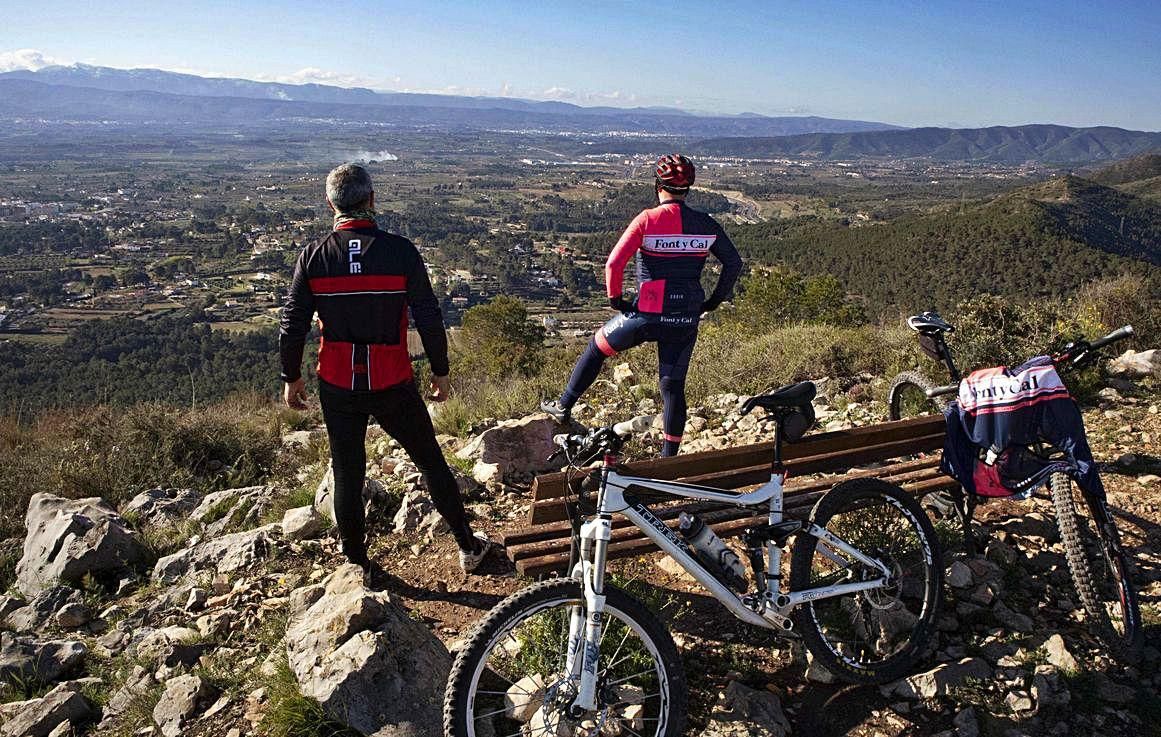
(1097,562)
(907,395)
(582,656)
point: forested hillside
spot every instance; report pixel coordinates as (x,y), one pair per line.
(1140,175)
(1043,240)
(123,361)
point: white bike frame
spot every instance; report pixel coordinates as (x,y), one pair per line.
(770,611)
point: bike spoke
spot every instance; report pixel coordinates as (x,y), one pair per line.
(629,678)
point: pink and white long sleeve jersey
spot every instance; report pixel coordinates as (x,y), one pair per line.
(671,243)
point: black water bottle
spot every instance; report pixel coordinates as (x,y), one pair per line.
(713,553)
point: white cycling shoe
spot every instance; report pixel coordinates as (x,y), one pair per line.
(470,561)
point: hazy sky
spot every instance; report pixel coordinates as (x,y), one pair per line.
(912,63)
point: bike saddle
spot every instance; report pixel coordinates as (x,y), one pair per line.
(791,395)
(929,322)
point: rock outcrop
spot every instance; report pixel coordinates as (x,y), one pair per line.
(222,554)
(370,665)
(69,539)
(513,446)
(159,506)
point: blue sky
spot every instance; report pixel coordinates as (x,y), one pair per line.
(911,63)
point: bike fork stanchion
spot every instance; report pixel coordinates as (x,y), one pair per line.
(597,534)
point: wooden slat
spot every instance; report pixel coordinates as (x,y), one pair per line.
(552,485)
(804,494)
(553,510)
(558,562)
(892,472)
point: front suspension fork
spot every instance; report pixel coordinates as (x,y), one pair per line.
(586,624)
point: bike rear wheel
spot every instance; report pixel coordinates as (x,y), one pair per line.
(880,634)
(907,397)
(1100,571)
(508,679)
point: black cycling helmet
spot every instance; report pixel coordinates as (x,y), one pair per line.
(675,173)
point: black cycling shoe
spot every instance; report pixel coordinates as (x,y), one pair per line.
(553,409)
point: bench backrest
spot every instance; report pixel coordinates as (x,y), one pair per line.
(745,465)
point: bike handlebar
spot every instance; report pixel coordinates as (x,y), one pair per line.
(1118,334)
(1075,354)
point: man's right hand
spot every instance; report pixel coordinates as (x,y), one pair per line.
(294,393)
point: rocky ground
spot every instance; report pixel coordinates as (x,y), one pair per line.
(228,614)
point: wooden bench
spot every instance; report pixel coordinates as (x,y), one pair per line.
(543,546)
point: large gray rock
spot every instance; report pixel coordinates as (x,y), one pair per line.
(513,446)
(742,711)
(182,698)
(223,554)
(68,539)
(1136,365)
(158,506)
(39,717)
(358,654)
(941,679)
(303,523)
(324,495)
(232,509)
(27,661)
(1059,656)
(35,613)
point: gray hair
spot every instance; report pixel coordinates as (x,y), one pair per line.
(349,186)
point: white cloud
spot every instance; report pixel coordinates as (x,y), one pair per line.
(314,75)
(26,59)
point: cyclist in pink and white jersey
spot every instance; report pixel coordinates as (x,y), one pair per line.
(671,243)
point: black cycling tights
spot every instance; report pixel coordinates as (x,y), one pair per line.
(674,349)
(401,413)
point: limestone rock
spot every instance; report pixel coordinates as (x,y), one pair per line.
(303,523)
(1059,655)
(939,680)
(1136,365)
(324,495)
(370,665)
(183,696)
(26,660)
(513,446)
(68,539)
(39,717)
(222,554)
(229,509)
(623,374)
(959,576)
(158,506)
(41,608)
(745,712)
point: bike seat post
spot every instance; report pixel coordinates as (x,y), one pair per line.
(778,468)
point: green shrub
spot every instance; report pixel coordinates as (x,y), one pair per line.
(498,340)
(1125,300)
(775,297)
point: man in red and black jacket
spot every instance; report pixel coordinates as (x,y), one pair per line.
(361,281)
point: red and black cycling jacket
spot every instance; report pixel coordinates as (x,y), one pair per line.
(361,280)
(671,242)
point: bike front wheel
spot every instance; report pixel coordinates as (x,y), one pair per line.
(509,679)
(1100,572)
(878,634)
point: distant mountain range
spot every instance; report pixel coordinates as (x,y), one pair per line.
(1052,144)
(89,93)
(410,108)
